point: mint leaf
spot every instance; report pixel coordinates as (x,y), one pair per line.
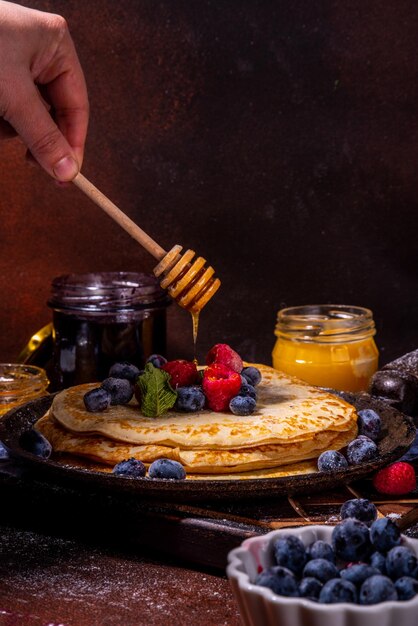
(157,395)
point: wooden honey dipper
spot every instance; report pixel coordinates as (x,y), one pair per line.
(187,281)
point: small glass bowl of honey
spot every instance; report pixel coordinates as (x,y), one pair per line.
(328,345)
(20,383)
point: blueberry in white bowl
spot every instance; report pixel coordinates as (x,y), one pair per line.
(356,594)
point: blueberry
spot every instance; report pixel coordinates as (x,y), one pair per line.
(321,550)
(190,399)
(124,370)
(331,461)
(377,589)
(400,561)
(97,399)
(280,580)
(4,453)
(252,375)
(358,573)
(338,590)
(166,468)
(321,569)
(361,450)
(289,551)
(121,390)
(157,360)
(407,587)
(378,560)
(34,442)
(310,587)
(242,405)
(351,541)
(132,468)
(384,534)
(248,390)
(369,424)
(359,508)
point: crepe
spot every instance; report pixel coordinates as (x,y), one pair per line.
(294,469)
(293,422)
(288,410)
(202,461)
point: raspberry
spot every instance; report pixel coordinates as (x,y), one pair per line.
(183,373)
(223,354)
(220,384)
(395,479)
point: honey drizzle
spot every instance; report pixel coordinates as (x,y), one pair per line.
(195,322)
(188,282)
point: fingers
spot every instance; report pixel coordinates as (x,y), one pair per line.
(66,91)
(43,94)
(31,120)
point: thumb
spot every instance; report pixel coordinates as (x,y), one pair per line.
(32,121)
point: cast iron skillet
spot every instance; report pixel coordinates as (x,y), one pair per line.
(398,434)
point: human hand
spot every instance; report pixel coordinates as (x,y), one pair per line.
(43,95)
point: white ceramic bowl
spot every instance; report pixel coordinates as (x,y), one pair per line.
(259,606)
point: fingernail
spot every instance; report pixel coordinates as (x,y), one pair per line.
(65,169)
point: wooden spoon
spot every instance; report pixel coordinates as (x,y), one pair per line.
(188,281)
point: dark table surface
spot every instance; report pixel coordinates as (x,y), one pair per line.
(50,580)
(65,562)
(69,558)
(74,557)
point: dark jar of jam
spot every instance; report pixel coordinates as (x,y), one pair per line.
(104,318)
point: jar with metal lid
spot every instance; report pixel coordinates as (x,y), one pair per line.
(103,318)
(327,345)
(20,383)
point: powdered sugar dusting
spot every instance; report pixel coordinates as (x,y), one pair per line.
(58,582)
(394,516)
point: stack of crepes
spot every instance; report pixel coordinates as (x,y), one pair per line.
(293,423)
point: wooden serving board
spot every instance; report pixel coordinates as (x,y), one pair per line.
(200,534)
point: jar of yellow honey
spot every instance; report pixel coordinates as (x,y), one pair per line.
(327,345)
(19,384)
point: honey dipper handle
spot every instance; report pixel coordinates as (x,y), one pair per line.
(119,216)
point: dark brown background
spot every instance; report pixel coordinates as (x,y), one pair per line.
(278,139)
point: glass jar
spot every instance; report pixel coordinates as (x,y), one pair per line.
(103,318)
(19,384)
(327,345)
